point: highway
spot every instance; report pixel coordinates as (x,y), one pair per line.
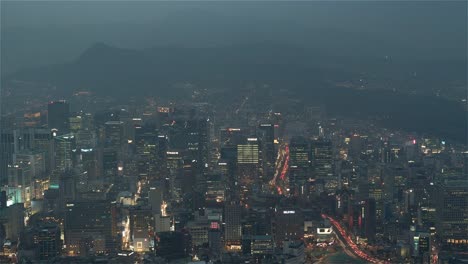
(349,245)
(281,169)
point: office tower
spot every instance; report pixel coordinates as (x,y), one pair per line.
(162,223)
(191,180)
(109,161)
(146,148)
(19,141)
(288,225)
(412,150)
(367,219)
(376,193)
(355,147)
(198,230)
(3,199)
(140,223)
(114,134)
(7,148)
(63,151)
(198,141)
(19,175)
(262,246)
(230,136)
(421,246)
(427,217)
(146,140)
(155,199)
(451,199)
(248,166)
(86,139)
(215,188)
(43,143)
(35,160)
(12,219)
(247,153)
(58,113)
(88,159)
(87,121)
(322,163)
(88,225)
(174,163)
(267,138)
(299,164)
(214,240)
(76,123)
(67,186)
(162,149)
(48,242)
(233,226)
(172,245)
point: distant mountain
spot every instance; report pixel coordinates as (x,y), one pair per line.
(105,69)
(102,67)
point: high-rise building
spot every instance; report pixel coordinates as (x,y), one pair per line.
(114,134)
(172,245)
(367,219)
(198,141)
(249,170)
(267,138)
(248,153)
(452,212)
(7,148)
(140,223)
(288,225)
(322,163)
(155,198)
(88,159)
(88,225)
(146,147)
(35,159)
(12,219)
(174,163)
(58,113)
(233,226)
(63,151)
(20,141)
(76,123)
(48,242)
(19,175)
(214,239)
(299,164)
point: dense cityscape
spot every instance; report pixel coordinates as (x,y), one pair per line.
(238,162)
(155,182)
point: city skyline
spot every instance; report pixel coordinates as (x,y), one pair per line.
(234,132)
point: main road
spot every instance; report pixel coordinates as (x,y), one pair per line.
(348,244)
(281,169)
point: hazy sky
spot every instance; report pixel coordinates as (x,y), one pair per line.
(426,28)
(356,14)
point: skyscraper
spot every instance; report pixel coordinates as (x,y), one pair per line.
(322,162)
(248,165)
(114,134)
(452,212)
(63,147)
(48,241)
(267,138)
(289,225)
(233,227)
(299,163)
(87,225)
(58,113)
